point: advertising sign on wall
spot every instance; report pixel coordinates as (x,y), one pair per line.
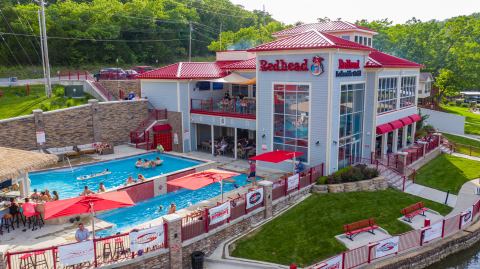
(147,238)
(386,247)
(254,198)
(466,217)
(292,182)
(433,232)
(348,68)
(219,213)
(76,253)
(333,263)
(40,137)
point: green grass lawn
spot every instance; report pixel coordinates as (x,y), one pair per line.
(305,234)
(464,145)
(448,173)
(14,101)
(472,120)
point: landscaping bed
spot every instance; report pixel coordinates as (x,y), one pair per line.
(305,234)
(448,173)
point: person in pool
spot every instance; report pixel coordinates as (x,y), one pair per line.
(129,180)
(101,188)
(86,191)
(158,161)
(146,163)
(172,209)
(35,195)
(139,163)
(141,178)
(55,196)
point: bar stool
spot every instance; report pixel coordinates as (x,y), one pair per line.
(119,249)
(107,251)
(40,259)
(26,261)
(7,222)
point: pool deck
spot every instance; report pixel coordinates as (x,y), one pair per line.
(51,235)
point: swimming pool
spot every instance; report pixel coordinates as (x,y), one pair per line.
(65,182)
(125,218)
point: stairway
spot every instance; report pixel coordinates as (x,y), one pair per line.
(140,137)
(394,178)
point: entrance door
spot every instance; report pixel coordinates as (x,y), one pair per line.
(164,139)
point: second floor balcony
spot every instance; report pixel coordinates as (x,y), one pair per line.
(234,107)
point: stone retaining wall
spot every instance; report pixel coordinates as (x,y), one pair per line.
(374,184)
(93,122)
(115,86)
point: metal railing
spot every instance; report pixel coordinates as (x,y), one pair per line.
(245,108)
(141,135)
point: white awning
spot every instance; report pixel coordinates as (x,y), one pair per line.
(233,78)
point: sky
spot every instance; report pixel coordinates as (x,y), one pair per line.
(399,11)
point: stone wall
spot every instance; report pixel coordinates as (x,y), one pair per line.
(106,122)
(18,133)
(115,86)
(175,120)
(154,260)
(374,184)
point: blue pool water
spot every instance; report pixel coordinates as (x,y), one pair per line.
(125,218)
(65,182)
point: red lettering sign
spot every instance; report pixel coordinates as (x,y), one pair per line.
(282,66)
(348,64)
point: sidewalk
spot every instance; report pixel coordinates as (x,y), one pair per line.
(466,156)
(432,194)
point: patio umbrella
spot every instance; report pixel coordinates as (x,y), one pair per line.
(199,180)
(87,204)
(277,156)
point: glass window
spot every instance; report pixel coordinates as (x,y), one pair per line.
(239,90)
(254,90)
(346,37)
(356,39)
(387,95)
(351,124)
(407,93)
(369,41)
(291,115)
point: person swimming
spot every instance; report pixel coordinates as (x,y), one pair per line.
(139,163)
(158,161)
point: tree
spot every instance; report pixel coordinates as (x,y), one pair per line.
(446,82)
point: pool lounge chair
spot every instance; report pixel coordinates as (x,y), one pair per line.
(87,148)
(61,152)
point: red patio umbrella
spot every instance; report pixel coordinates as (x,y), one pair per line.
(87,204)
(199,180)
(277,156)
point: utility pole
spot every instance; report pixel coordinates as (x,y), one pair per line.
(41,49)
(263,15)
(220,36)
(48,84)
(190,44)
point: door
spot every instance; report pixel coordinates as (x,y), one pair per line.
(164,139)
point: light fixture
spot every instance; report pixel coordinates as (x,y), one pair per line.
(263,135)
(317,143)
(335,142)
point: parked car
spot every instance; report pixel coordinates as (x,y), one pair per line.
(143,68)
(112,73)
(131,74)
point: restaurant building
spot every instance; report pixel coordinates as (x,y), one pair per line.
(319,88)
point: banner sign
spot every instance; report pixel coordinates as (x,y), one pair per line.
(219,213)
(254,198)
(147,238)
(466,217)
(433,232)
(333,263)
(76,253)
(386,247)
(293,181)
(40,137)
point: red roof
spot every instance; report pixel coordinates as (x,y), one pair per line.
(246,64)
(378,59)
(187,70)
(310,40)
(331,26)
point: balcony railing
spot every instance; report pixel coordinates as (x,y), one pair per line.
(236,108)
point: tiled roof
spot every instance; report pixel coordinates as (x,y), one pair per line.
(309,40)
(246,64)
(187,70)
(331,26)
(377,59)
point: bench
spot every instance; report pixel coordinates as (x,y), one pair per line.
(366,225)
(410,212)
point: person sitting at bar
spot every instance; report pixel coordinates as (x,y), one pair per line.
(82,234)
(35,195)
(55,196)
(14,210)
(44,197)
(28,208)
(172,209)
(86,191)
(47,193)
(221,147)
(101,188)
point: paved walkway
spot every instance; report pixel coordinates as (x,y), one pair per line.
(466,156)
(432,194)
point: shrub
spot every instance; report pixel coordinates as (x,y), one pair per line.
(59,91)
(464,105)
(458,102)
(349,174)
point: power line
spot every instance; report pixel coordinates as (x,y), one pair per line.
(31,29)
(20,44)
(223,14)
(98,40)
(9,49)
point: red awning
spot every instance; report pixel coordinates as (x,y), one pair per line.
(162,127)
(406,121)
(415,117)
(277,156)
(384,128)
(199,180)
(396,124)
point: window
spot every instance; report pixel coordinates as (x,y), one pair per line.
(351,123)
(369,41)
(254,90)
(203,85)
(346,37)
(407,93)
(291,115)
(239,89)
(356,39)
(360,39)
(387,95)
(428,87)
